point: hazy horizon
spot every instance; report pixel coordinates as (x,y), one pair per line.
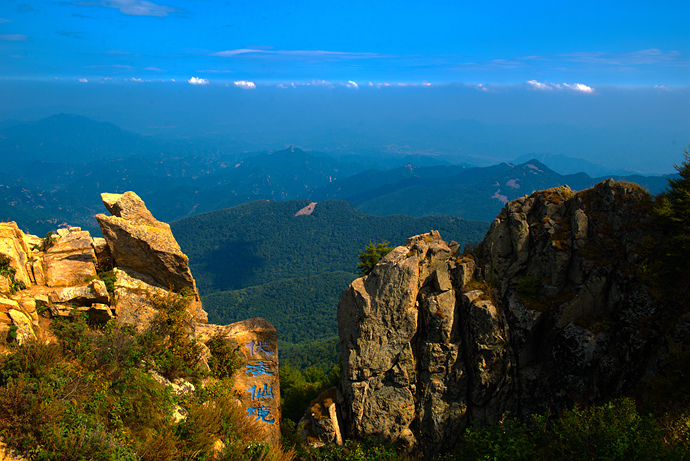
(607,83)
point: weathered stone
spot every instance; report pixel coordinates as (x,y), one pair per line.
(7,304)
(5,285)
(178,387)
(28,305)
(94,292)
(97,312)
(39,275)
(133,299)
(256,382)
(320,425)
(130,207)
(138,241)
(103,257)
(565,316)
(401,341)
(25,331)
(70,260)
(7,454)
(13,246)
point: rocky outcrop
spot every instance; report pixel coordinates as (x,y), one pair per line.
(422,352)
(551,309)
(140,244)
(125,277)
(59,275)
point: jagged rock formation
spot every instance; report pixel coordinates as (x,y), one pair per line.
(550,310)
(145,251)
(60,275)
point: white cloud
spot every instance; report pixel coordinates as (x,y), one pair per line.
(83,80)
(245,84)
(14,37)
(539,86)
(352,84)
(215,71)
(634,58)
(134,79)
(228,53)
(198,81)
(579,87)
(132,7)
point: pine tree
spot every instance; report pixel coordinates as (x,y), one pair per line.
(371,255)
(673,213)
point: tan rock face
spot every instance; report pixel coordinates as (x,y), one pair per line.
(257,382)
(94,292)
(25,331)
(130,207)
(70,260)
(132,300)
(138,241)
(320,424)
(407,354)
(13,246)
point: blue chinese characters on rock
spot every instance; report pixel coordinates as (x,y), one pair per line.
(262,397)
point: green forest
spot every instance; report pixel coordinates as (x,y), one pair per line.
(260,259)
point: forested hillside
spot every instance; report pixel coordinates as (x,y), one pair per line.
(263,259)
(260,242)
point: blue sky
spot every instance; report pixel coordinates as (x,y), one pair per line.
(365,74)
(633,43)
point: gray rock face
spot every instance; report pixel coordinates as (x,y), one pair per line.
(547,312)
(419,355)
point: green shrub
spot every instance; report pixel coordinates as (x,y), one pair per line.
(672,212)
(509,440)
(613,431)
(224,359)
(167,342)
(371,255)
(9,272)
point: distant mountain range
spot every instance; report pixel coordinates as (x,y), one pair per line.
(55,169)
(470,193)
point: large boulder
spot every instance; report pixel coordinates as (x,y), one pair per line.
(551,309)
(140,244)
(69,258)
(419,355)
(17,254)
